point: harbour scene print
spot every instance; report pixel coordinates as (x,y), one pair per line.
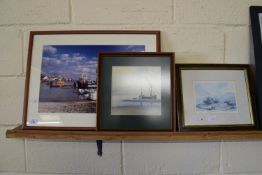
(215,96)
(68,80)
(136,90)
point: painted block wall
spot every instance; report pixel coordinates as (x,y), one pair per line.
(199,31)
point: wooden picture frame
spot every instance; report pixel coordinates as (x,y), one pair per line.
(214,97)
(136,92)
(60,88)
(256,25)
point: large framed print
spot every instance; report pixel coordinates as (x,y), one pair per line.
(61,79)
(214,97)
(256,24)
(136,92)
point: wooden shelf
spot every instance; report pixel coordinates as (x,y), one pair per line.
(18,132)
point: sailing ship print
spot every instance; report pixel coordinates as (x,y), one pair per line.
(143,98)
(136,90)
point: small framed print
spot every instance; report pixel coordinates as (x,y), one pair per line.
(214,97)
(256,24)
(61,79)
(136,92)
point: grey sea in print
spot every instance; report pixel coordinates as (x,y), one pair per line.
(217,96)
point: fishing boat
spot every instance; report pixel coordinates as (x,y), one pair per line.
(87,94)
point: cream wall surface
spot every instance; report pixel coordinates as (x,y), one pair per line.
(199,31)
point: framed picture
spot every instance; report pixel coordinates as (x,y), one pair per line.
(136,92)
(214,97)
(256,23)
(61,79)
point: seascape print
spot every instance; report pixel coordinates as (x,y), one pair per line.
(218,96)
(68,81)
(136,90)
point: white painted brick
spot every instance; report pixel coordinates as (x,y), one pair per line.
(12,156)
(10,51)
(237,46)
(244,174)
(34,11)
(171,158)
(11,100)
(15,173)
(122,11)
(194,44)
(73,157)
(214,11)
(242,157)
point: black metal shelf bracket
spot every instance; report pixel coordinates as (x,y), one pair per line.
(99,144)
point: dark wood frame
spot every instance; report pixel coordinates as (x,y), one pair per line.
(256,32)
(172,83)
(29,60)
(180,108)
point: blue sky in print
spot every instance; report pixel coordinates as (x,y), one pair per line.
(74,60)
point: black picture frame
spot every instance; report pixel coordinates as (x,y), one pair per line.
(215,97)
(256,23)
(111,118)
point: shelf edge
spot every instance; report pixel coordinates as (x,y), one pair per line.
(18,132)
